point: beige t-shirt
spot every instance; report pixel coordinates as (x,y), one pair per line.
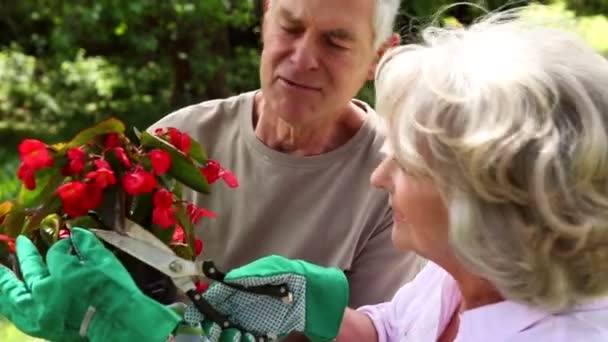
(320,208)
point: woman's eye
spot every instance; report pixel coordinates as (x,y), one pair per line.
(400,166)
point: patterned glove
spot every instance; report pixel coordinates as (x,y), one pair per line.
(319,298)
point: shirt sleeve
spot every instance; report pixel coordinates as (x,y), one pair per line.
(380,270)
(388,317)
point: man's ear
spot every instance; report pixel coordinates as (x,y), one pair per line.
(392,41)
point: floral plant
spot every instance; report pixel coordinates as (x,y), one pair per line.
(100,179)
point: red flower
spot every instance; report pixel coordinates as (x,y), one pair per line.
(77,159)
(78,198)
(211,171)
(180,140)
(102,178)
(139,182)
(64,233)
(161,161)
(180,237)
(160,131)
(163,214)
(112,141)
(34,154)
(214,171)
(10,242)
(72,191)
(230,179)
(164,217)
(102,164)
(196,213)
(11,247)
(198,246)
(178,234)
(27,176)
(200,286)
(120,153)
(163,198)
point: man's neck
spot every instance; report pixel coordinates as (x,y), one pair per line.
(305,140)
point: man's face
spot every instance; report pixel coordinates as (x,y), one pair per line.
(317,55)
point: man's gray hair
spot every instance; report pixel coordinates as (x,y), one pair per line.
(385,14)
(510,118)
(384,20)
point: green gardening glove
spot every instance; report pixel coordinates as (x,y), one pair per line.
(320,296)
(82,293)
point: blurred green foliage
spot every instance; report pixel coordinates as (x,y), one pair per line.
(9,184)
(67,64)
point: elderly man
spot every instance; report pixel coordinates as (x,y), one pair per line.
(302,149)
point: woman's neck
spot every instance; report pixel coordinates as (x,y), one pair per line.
(475,292)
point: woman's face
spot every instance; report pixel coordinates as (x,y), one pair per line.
(420,220)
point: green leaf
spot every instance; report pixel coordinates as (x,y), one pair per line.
(49,229)
(112,210)
(182,168)
(4,253)
(141,210)
(121,29)
(197,153)
(178,189)
(137,133)
(164,234)
(112,125)
(50,206)
(14,221)
(86,222)
(47,181)
(5,208)
(184,221)
(182,250)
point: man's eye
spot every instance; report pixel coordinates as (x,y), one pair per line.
(338,46)
(335,45)
(290,29)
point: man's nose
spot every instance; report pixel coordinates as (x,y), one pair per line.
(305,54)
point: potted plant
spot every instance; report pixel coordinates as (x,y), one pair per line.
(101,179)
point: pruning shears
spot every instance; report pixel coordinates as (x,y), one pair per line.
(143,245)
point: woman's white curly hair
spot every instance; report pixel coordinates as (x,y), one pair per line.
(510,119)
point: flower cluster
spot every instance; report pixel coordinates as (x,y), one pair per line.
(101,175)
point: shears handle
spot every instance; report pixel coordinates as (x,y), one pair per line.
(276,291)
(205,308)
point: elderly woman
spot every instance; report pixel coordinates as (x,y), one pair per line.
(497,170)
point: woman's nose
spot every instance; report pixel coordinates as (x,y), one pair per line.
(379,177)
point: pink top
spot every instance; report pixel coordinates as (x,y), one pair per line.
(422,308)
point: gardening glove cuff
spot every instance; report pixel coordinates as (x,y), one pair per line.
(140,319)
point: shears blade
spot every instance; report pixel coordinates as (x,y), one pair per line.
(161,258)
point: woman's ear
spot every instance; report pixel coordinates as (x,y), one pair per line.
(392,41)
